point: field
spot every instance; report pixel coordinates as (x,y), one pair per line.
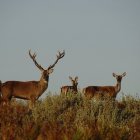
(71,118)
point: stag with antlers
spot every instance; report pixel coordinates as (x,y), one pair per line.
(29,90)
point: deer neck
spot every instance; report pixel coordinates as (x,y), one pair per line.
(118,87)
(75,87)
(44,83)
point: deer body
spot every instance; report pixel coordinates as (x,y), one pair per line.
(66,89)
(29,90)
(0,86)
(73,88)
(104,91)
(0,90)
(23,89)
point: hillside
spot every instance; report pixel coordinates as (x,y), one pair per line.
(71,118)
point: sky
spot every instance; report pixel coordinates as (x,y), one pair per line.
(99,37)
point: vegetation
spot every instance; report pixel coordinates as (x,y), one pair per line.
(71,118)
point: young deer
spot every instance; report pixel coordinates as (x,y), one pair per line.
(29,90)
(104,91)
(73,88)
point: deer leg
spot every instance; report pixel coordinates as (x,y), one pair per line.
(5,101)
(5,96)
(31,103)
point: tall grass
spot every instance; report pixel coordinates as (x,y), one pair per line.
(71,118)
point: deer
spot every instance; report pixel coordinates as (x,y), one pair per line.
(99,92)
(0,89)
(29,90)
(73,88)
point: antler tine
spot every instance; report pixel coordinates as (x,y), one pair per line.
(34,60)
(34,55)
(59,56)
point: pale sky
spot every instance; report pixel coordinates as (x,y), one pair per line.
(99,37)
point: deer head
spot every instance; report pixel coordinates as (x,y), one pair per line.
(74,81)
(119,77)
(49,70)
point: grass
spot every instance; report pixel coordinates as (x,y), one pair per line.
(71,118)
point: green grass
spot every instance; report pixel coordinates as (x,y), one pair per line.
(71,118)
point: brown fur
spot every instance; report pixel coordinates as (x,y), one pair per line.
(0,90)
(29,90)
(104,91)
(0,86)
(73,88)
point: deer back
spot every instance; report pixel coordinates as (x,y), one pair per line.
(97,91)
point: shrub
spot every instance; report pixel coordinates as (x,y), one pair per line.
(71,118)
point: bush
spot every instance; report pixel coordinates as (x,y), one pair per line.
(71,118)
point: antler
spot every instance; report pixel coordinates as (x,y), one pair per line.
(76,78)
(59,56)
(34,60)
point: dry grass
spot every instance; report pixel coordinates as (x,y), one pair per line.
(72,118)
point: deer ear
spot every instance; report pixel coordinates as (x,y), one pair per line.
(123,74)
(70,77)
(50,71)
(114,74)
